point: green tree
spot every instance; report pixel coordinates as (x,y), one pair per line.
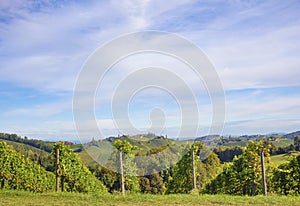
(109,178)
(127,164)
(152,184)
(243,175)
(181,180)
(297,143)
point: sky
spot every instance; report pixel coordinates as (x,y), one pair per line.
(253,45)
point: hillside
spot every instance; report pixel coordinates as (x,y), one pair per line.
(36,155)
(40,144)
(156,165)
(291,135)
(38,150)
(101,150)
(277,160)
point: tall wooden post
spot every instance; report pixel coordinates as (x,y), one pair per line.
(264,183)
(193,169)
(56,169)
(121,172)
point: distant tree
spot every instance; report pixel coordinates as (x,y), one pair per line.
(297,143)
(226,154)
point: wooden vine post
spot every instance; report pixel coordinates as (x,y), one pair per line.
(57,169)
(193,169)
(121,172)
(264,183)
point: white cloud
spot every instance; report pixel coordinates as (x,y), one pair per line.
(41,111)
(42,46)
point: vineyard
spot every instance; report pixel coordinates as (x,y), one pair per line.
(63,170)
(20,173)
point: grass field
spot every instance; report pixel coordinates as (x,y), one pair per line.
(276,160)
(283,142)
(27,198)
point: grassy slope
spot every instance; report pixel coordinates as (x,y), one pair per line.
(146,145)
(276,160)
(26,198)
(86,158)
(17,145)
(104,149)
(283,142)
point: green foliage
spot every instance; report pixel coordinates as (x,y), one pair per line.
(46,146)
(181,179)
(276,160)
(286,178)
(18,172)
(129,166)
(131,179)
(124,146)
(152,184)
(226,154)
(109,178)
(297,143)
(76,176)
(244,172)
(38,156)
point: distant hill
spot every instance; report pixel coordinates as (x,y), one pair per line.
(291,135)
(38,150)
(208,137)
(40,144)
(146,144)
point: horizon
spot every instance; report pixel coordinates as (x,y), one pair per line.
(44,46)
(89,139)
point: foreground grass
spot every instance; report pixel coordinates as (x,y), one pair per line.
(27,198)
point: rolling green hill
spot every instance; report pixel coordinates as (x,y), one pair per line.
(157,165)
(40,144)
(277,160)
(38,150)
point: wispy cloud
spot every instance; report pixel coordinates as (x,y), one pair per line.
(253,45)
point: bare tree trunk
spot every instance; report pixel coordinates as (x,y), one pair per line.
(56,170)
(193,170)
(121,172)
(264,183)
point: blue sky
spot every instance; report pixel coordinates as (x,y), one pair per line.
(254,46)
